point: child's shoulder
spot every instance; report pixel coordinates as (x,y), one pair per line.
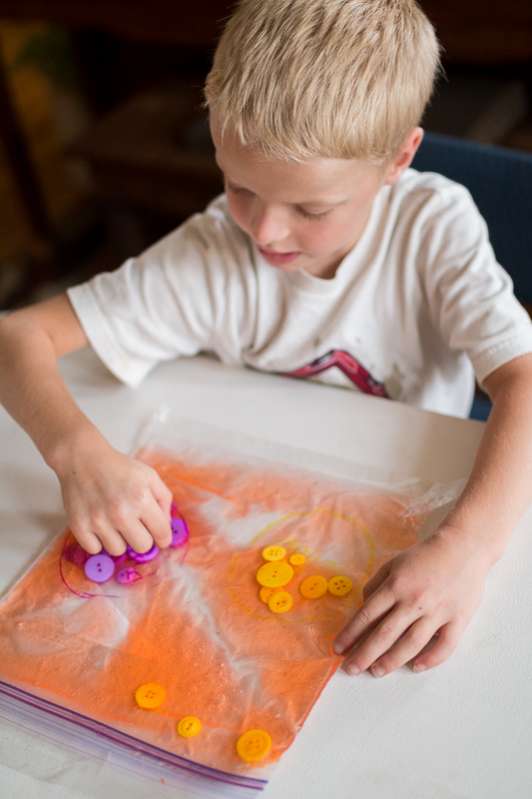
(412,182)
(430,198)
(209,231)
(216,216)
(414,186)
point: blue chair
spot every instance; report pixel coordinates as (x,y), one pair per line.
(500,181)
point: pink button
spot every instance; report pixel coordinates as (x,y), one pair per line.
(99,568)
(74,553)
(118,559)
(128,575)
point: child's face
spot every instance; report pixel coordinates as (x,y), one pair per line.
(300,215)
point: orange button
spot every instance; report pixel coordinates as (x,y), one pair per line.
(314,586)
(297,559)
(150,695)
(340,585)
(254,745)
(273,552)
(275,575)
(189,726)
(280,601)
(265,594)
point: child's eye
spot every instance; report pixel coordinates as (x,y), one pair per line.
(237,189)
(309,215)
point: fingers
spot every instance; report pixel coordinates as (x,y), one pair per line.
(124,502)
(440,648)
(154,513)
(115,531)
(410,644)
(140,517)
(86,539)
(138,536)
(157,522)
(93,537)
(379,640)
(371,612)
(111,540)
(420,644)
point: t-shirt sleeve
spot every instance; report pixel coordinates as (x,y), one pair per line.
(173,300)
(470,295)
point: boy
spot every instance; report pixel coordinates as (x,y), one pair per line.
(325,251)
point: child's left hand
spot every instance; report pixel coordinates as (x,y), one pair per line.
(426,595)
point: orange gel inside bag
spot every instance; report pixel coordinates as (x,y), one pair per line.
(195,625)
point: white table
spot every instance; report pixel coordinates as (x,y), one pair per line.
(456,732)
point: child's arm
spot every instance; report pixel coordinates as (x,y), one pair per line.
(435,587)
(109,498)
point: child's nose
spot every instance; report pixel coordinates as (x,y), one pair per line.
(269,226)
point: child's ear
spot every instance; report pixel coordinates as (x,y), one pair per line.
(404,156)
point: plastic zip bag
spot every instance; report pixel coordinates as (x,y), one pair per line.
(198,624)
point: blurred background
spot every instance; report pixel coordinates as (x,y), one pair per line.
(104,145)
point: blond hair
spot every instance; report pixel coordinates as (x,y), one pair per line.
(302,79)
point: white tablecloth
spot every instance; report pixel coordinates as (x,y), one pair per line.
(461,731)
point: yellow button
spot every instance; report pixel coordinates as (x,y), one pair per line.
(150,695)
(273,553)
(297,559)
(275,575)
(265,594)
(340,585)
(314,586)
(280,602)
(189,726)
(254,745)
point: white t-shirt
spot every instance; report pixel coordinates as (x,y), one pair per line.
(415,310)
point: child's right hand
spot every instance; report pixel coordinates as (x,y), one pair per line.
(112,500)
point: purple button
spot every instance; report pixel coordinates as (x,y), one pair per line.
(99,568)
(128,575)
(180,534)
(143,557)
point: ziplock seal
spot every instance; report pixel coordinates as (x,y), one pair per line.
(129,742)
